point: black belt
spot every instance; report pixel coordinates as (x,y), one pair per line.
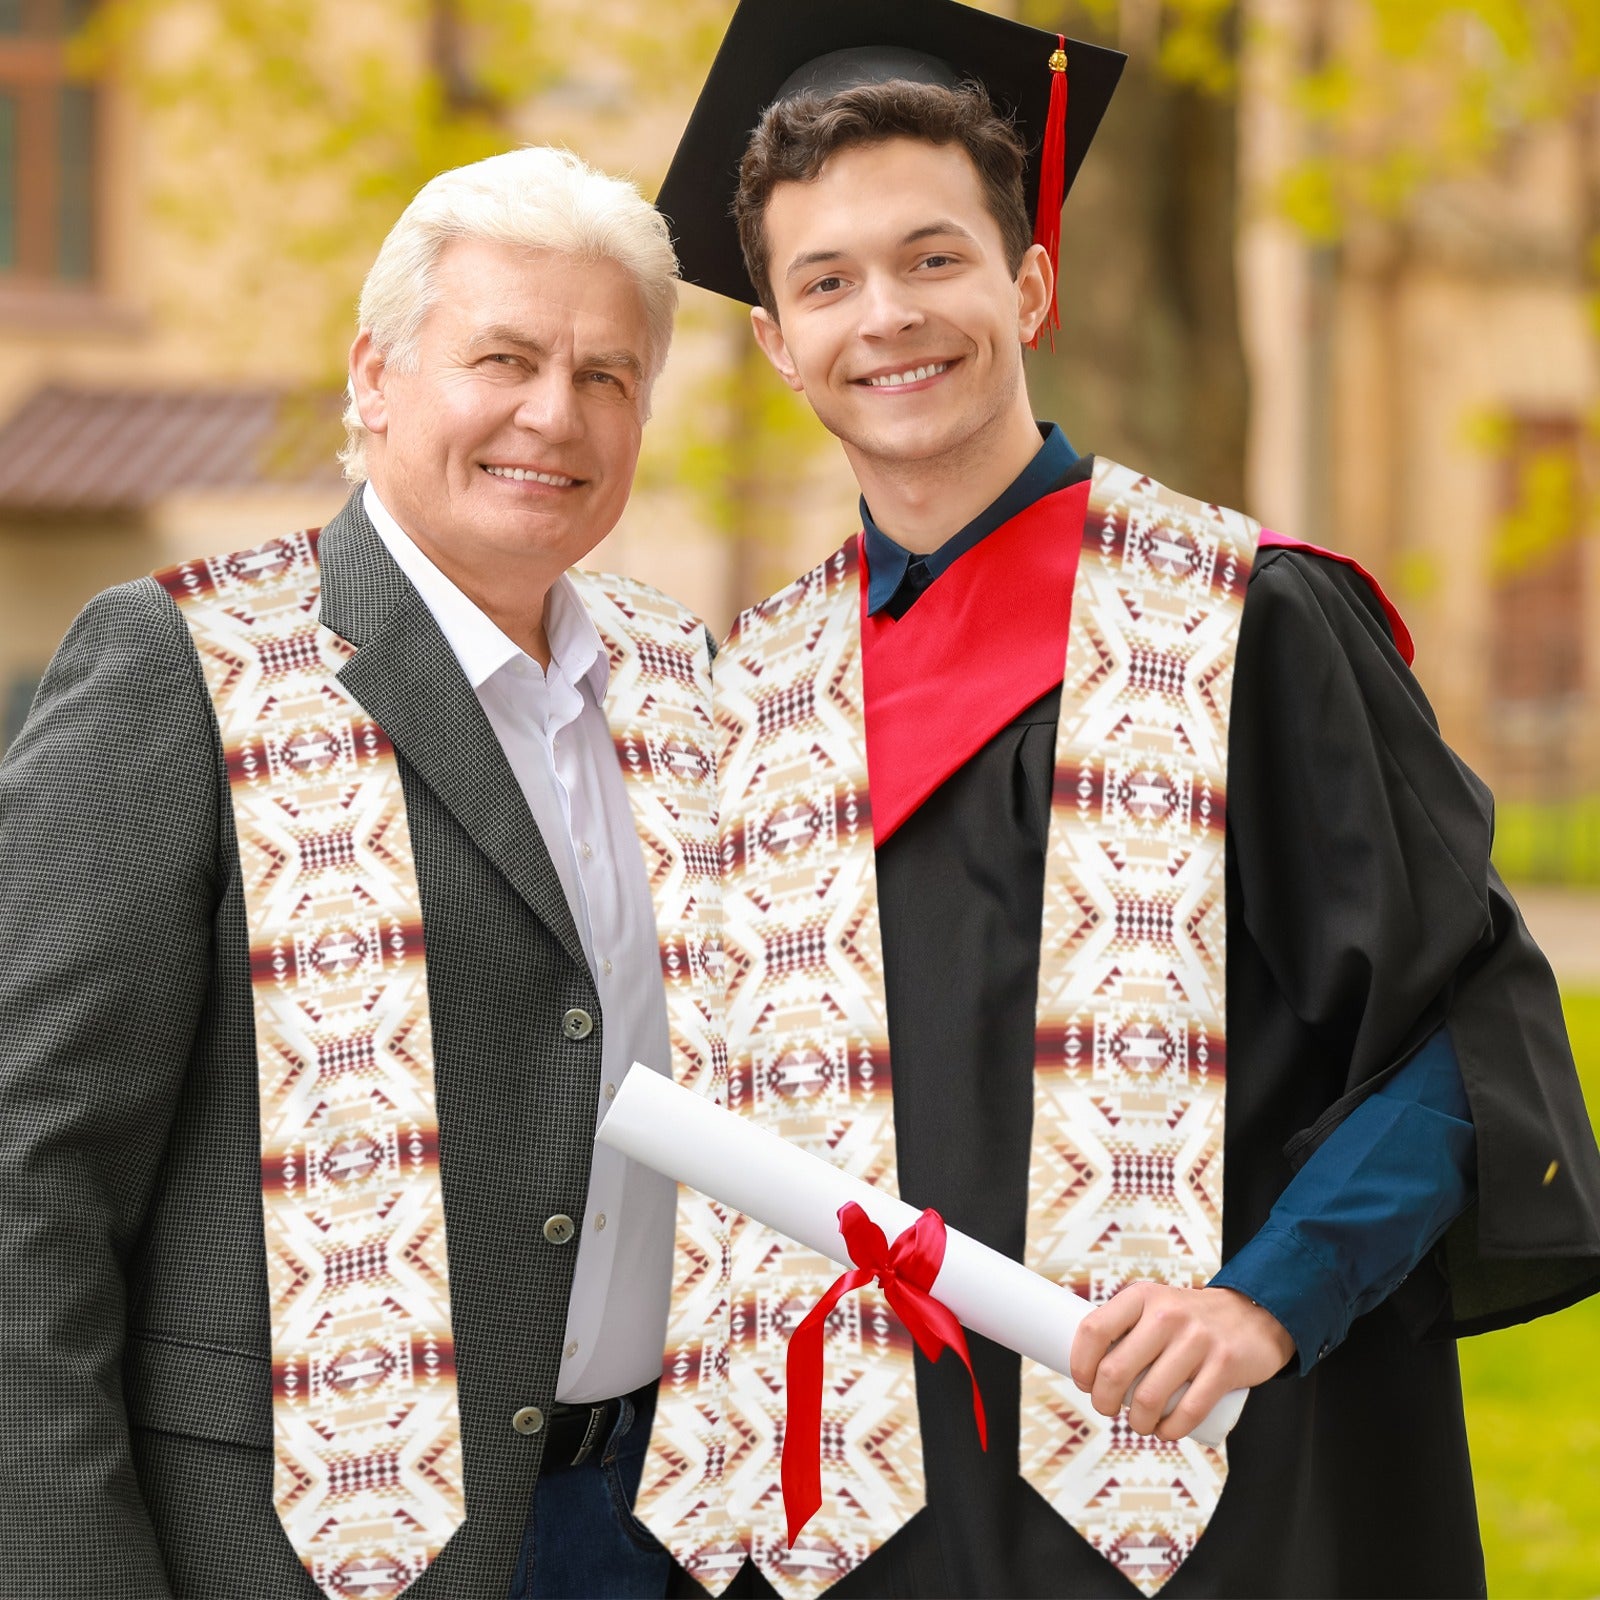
(573,1433)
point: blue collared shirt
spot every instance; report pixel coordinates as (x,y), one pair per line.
(899,576)
(1379,1192)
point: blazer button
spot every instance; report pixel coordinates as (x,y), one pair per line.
(530,1419)
(577,1024)
(559,1229)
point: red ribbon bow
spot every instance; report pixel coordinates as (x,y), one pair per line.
(907,1270)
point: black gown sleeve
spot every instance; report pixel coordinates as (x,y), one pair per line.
(1364,912)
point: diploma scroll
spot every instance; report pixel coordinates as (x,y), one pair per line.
(685,1137)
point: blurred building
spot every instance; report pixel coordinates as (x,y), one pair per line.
(120,447)
(1423,393)
(133,433)
(1426,396)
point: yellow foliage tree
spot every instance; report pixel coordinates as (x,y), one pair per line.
(1401,97)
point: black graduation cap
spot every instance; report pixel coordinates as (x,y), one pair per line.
(777,48)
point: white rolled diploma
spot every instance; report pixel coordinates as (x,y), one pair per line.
(683,1136)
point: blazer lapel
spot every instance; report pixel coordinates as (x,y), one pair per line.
(407,678)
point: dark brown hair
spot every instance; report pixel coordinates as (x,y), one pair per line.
(796,137)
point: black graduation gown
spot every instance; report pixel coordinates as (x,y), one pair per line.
(1362,911)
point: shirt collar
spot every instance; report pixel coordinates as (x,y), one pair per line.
(476,640)
(575,644)
(887,561)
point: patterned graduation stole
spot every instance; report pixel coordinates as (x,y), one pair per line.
(368,1478)
(368,1474)
(658,703)
(1130,1049)
(1130,1026)
(808,1058)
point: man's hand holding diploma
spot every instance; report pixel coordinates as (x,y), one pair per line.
(1215,1340)
(747,1168)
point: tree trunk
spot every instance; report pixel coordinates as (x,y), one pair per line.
(1148,367)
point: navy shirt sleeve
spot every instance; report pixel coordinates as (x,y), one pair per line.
(1366,1207)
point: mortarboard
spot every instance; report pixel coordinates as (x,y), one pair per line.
(777,48)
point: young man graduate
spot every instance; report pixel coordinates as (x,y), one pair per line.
(993,839)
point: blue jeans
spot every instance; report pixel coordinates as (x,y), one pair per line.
(582,1541)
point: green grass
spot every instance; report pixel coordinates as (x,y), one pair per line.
(1548,842)
(1533,1414)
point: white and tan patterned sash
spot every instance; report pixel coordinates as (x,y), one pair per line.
(658,703)
(1155,617)
(1129,1074)
(368,1476)
(806,1007)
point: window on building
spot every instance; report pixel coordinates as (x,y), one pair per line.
(48,130)
(1538,566)
(1547,819)
(1538,642)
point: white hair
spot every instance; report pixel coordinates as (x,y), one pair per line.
(537,197)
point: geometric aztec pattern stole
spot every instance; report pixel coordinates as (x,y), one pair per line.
(368,1474)
(808,1059)
(1129,1080)
(658,705)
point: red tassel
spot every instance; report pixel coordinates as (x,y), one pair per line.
(1052,183)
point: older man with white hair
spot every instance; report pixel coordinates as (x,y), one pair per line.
(340,880)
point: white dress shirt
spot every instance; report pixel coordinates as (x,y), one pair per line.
(555,736)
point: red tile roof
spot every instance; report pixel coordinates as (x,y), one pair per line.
(85,450)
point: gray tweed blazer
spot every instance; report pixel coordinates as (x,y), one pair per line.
(135,1399)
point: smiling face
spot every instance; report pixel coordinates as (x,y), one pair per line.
(509,448)
(898,316)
